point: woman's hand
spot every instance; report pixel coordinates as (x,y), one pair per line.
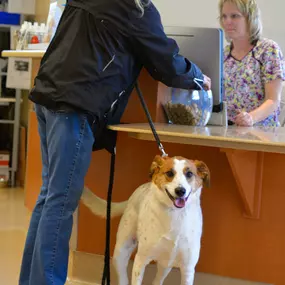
(207,82)
(244,119)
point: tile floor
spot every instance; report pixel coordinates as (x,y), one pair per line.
(13,224)
(14,219)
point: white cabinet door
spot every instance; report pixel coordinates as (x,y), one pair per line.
(25,7)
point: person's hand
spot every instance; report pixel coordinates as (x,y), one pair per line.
(244,119)
(207,82)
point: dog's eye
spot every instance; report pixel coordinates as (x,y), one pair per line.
(169,174)
(189,174)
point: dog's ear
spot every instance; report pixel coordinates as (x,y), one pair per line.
(203,172)
(156,165)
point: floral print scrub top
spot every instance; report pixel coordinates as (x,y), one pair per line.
(244,80)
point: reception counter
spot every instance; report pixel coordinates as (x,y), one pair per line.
(244,229)
(267,139)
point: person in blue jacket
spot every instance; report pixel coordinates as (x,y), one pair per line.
(94,59)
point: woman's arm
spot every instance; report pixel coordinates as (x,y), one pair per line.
(160,54)
(272,75)
(273,91)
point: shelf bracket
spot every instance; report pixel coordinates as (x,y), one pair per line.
(247,169)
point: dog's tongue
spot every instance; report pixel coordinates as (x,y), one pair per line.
(179,202)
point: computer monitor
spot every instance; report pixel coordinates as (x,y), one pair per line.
(203,46)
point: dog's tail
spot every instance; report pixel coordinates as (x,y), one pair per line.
(98,206)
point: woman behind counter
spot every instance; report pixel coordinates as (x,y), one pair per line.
(253,66)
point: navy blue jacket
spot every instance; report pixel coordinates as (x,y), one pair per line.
(98,51)
(96,56)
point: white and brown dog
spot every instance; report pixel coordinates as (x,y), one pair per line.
(162,218)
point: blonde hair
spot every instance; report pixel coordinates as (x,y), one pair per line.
(141,4)
(251,12)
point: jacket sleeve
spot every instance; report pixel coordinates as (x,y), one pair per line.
(160,54)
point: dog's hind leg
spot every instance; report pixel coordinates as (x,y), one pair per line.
(187,276)
(161,274)
(121,259)
(125,245)
(141,261)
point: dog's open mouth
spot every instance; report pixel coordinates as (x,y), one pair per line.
(177,202)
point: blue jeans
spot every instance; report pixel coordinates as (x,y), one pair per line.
(66,147)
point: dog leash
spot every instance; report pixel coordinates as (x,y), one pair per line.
(106,278)
(107,272)
(198,82)
(160,146)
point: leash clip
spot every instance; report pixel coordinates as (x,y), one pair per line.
(161,148)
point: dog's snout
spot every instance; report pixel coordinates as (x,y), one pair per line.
(180,191)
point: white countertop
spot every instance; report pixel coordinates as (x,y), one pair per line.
(267,139)
(23,53)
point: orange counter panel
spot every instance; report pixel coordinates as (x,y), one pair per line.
(231,245)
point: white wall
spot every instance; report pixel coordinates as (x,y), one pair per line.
(25,7)
(204,13)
